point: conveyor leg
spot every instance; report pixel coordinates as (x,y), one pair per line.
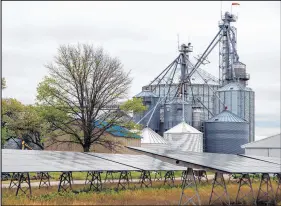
(123,180)
(24,178)
(188,181)
(219,181)
(245,180)
(158,176)
(65,182)
(146,178)
(278,190)
(267,192)
(169,178)
(14,180)
(45,179)
(95,181)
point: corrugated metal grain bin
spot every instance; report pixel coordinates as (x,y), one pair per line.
(225,133)
(173,113)
(240,100)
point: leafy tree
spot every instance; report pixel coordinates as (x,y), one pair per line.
(23,121)
(82,81)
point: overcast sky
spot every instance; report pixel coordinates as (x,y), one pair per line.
(143,35)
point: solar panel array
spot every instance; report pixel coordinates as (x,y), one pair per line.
(222,162)
(55,161)
(275,160)
(142,162)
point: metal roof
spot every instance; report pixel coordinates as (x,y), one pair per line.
(234,86)
(228,163)
(183,127)
(151,137)
(226,116)
(141,162)
(117,130)
(55,161)
(269,142)
(146,93)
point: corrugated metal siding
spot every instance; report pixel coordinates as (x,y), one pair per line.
(223,137)
(173,113)
(151,137)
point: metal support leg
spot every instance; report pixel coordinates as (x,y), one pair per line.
(123,180)
(146,179)
(201,175)
(219,181)
(94,179)
(45,179)
(71,177)
(130,176)
(65,182)
(109,177)
(245,180)
(188,180)
(14,180)
(158,176)
(265,194)
(169,178)
(24,178)
(278,190)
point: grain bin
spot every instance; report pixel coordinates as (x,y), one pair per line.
(184,137)
(225,133)
(240,100)
(151,138)
(173,113)
(150,100)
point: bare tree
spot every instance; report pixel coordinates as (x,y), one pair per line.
(82,82)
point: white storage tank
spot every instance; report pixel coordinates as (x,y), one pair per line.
(184,137)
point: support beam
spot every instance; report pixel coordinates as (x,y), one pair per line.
(44,179)
(65,182)
(109,177)
(201,175)
(14,180)
(188,180)
(218,181)
(123,182)
(158,176)
(145,179)
(24,178)
(169,178)
(94,179)
(265,192)
(245,180)
(278,190)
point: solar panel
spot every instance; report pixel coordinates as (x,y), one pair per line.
(55,161)
(228,163)
(142,162)
(275,160)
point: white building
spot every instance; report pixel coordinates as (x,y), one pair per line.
(151,138)
(268,147)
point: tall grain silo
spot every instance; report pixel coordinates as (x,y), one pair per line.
(149,100)
(173,113)
(240,100)
(184,137)
(225,133)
